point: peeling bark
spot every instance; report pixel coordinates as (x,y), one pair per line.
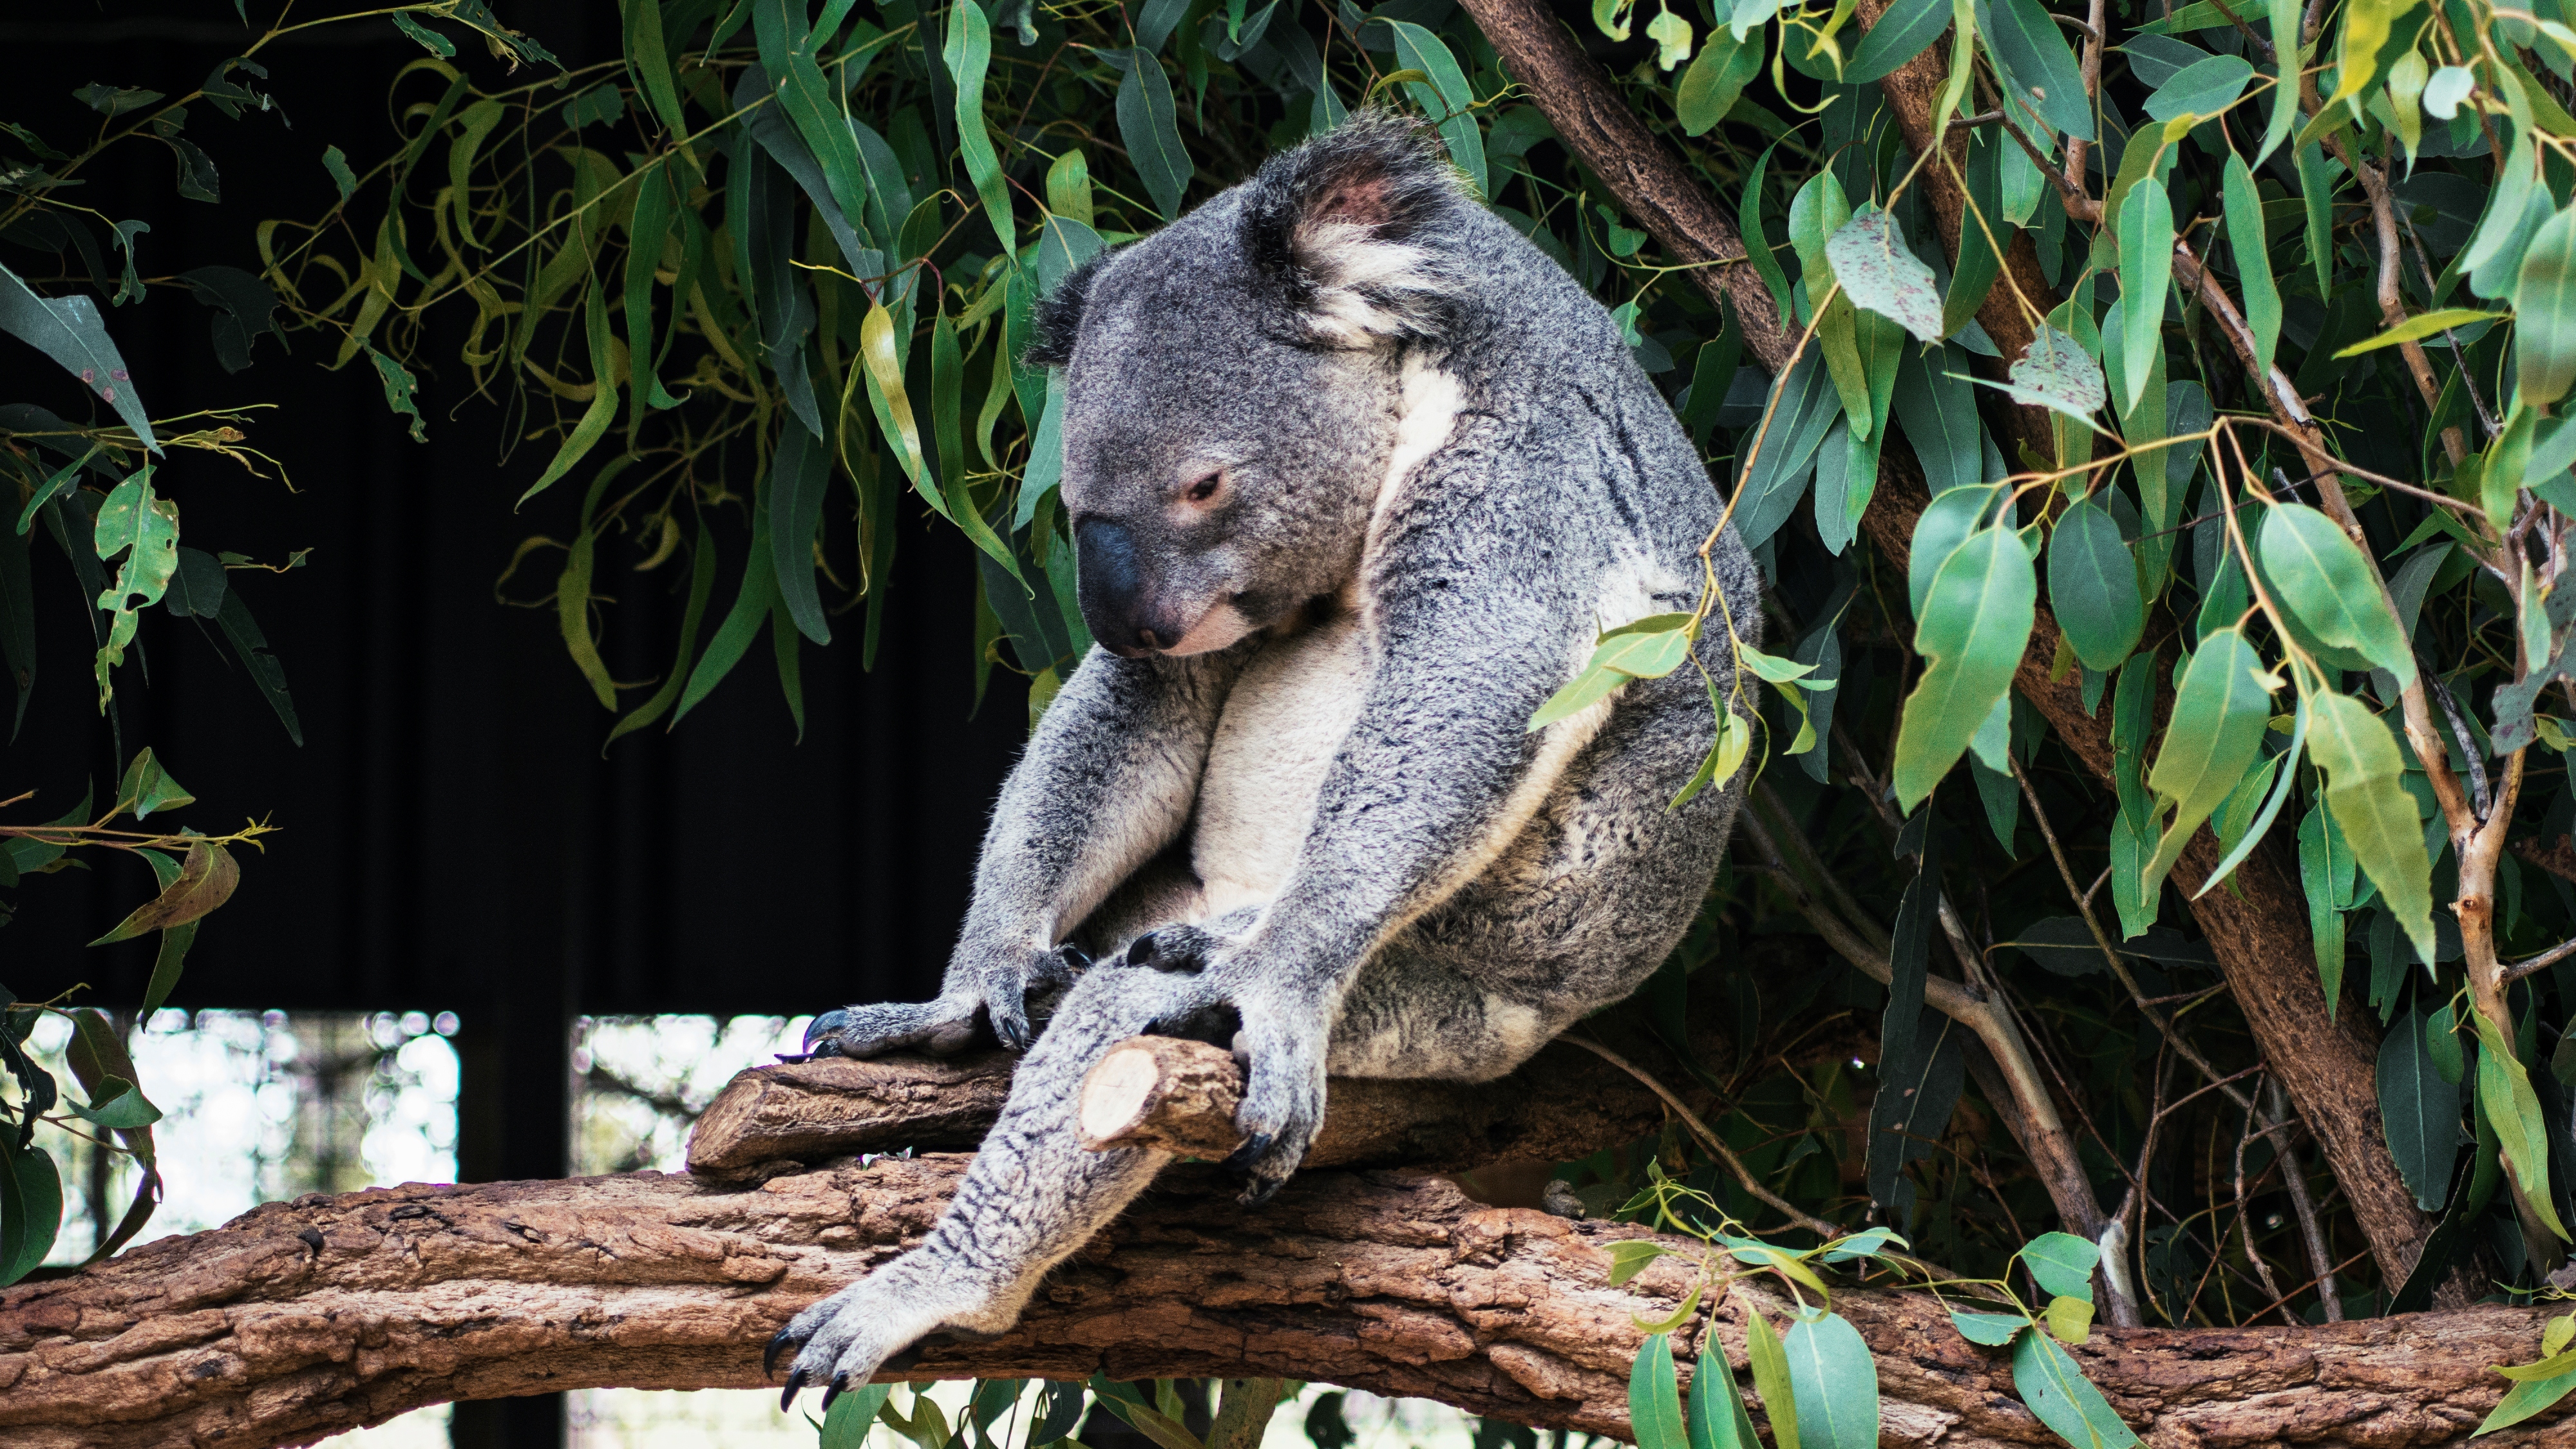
(302,1320)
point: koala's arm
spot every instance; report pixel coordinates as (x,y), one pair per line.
(1107,782)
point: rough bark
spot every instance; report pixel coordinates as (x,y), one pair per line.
(302,1320)
(2261,939)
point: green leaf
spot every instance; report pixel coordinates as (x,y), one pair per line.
(2063,1263)
(2146,274)
(2202,88)
(147,787)
(2246,240)
(1715,80)
(1672,37)
(2040,69)
(2219,715)
(1938,410)
(1879,272)
(2324,580)
(2526,1399)
(266,672)
(2057,1391)
(1981,232)
(1975,620)
(2055,372)
(751,609)
(2421,326)
(2544,305)
(2419,1112)
(1716,1416)
(2070,1320)
(846,1423)
(2373,809)
(1654,1400)
(969,54)
(1771,1380)
(1904,31)
(31,1207)
(1748,220)
(602,412)
(1836,1382)
(2513,1109)
(2093,585)
(1994,1330)
(2366,28)
(1628,1259)
(116,1104)
(1068,187)
(68,330)
(1446,98)
(800,473)
(1150,127)
(2286,22)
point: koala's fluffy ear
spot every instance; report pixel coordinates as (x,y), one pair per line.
(1059,316)
(1341,225)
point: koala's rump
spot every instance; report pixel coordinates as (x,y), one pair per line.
(1283,723)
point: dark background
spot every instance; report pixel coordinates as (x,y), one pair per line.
(452,837)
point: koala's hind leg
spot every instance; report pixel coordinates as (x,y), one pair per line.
(1031,1198)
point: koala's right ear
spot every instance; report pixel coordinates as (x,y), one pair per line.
(1059,316)
(1340,226)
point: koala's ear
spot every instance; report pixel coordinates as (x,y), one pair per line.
(1059,316)
(1344,226)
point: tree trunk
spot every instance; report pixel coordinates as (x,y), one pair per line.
(302,1320)
(2261,941)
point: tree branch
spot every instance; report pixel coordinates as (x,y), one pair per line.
(299,1321)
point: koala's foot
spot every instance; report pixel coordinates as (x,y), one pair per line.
(1280,1036)
(947,1025)
(875,1323)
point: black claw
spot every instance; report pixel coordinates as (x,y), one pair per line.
(795,1381)
(1242,1158)
(833,1390)
(778,1342)
(823,1026)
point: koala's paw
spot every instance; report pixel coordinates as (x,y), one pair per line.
(942,1027)
(947,1025)
(1282,1044)
(844,1340)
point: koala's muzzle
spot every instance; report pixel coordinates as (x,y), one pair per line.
(1126,612)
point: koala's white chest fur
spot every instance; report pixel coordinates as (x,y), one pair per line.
(1283,724)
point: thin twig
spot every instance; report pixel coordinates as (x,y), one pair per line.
(2516,970)
(1710,1140)
(2277,1110)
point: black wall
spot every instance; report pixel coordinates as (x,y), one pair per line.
(452,836)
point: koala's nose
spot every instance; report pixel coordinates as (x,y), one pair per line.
(1115,602)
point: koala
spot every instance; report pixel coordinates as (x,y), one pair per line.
(1356,476)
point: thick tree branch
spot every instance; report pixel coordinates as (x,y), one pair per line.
(304,1320)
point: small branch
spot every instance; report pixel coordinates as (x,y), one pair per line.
(2542,962)
(2276,1110)
(1715,1144)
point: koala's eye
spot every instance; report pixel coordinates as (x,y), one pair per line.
(1205,489)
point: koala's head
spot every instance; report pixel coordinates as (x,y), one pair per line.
(1232,387)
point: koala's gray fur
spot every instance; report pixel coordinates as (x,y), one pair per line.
(1357,475)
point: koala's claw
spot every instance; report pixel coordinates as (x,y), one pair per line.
(795,1381)
(779,1342)
(833,1390)
(1242,1158)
